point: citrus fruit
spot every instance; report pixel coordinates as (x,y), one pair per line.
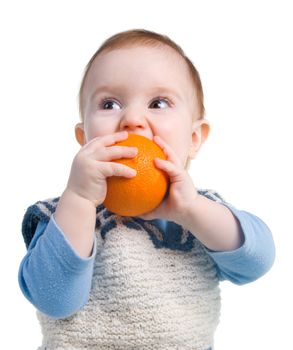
(145,191)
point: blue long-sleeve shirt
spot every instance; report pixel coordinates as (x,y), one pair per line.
(57,281)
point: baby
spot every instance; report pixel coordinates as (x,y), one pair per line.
(101,281)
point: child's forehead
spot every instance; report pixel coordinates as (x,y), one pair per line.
(159,60)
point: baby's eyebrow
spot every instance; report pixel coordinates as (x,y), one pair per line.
(161,90)
(154,91)
(106,89)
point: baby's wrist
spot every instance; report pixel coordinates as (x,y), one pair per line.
(187,210)
(71,196)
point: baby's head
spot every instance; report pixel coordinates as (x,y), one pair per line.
(142,82)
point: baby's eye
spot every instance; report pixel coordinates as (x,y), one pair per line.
(160,103)
(110,104)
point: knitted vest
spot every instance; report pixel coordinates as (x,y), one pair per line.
(150,289)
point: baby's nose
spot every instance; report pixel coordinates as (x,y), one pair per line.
(132,120)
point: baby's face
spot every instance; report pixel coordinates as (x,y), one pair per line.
(142,90)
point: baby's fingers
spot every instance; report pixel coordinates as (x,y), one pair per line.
(170,168)
(118,152)
(116,169)
(169,153)
(106,140)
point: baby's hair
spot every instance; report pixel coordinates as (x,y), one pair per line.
(145,38)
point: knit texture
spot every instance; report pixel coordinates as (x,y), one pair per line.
(150,289)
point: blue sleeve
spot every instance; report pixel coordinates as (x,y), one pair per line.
(52,276)
(254,258)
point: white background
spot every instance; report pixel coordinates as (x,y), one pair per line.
(243,51)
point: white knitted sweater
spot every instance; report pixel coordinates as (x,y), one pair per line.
(148,292)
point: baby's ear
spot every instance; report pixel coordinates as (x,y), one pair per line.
(79,133)
(205,130)
(200,132)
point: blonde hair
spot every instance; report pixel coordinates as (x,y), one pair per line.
(144,38)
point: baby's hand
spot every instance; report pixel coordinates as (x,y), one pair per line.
(93,164)
(182,191)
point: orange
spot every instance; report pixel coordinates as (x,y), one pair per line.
(145,191)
